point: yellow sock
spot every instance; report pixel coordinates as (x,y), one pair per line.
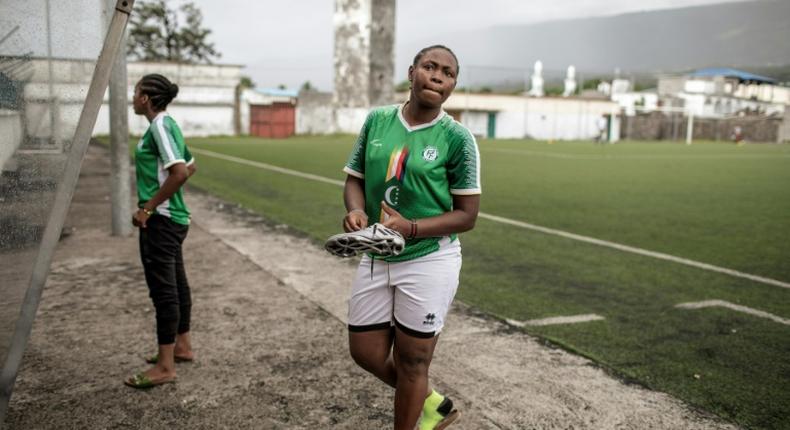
(430,415)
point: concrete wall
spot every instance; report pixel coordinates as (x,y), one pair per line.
(10,135)
(314,113)
(204,106)
(546,118)
(784,129)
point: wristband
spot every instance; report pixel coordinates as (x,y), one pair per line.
(413,232)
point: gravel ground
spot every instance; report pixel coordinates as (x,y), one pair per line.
(269,331)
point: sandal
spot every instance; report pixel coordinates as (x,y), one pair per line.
(140,381)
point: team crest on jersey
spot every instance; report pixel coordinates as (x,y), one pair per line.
(430,153)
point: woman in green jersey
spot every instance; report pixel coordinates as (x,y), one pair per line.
(163,164)
(417,171)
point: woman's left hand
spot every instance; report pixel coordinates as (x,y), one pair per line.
(395,220)
(139,218)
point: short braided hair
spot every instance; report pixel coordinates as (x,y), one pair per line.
(429,48)
(159,89)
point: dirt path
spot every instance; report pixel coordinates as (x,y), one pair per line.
(271,342)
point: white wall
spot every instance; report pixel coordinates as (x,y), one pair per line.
(476,122)
(350,120)
(547,118)
(516,116)
(204,106)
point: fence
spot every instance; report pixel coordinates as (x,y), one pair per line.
(675,125)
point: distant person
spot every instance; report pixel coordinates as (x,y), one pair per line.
(737,135)
(601,124)
(163,164)
(417,171)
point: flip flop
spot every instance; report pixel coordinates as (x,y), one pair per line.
(140,381)
(155,358)
(449,419)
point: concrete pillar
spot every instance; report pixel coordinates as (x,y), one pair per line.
(382,53)
(120,186)
(364,59)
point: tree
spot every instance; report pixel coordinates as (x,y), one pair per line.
(403,86)
(246,82)
(157,34)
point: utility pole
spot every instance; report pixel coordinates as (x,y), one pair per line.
(120,188)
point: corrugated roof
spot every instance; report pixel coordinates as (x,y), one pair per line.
(278,92)
(733,73)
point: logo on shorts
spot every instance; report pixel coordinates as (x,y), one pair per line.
(430,153)
(429,319)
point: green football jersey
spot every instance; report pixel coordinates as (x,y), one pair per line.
(161,146)
(416,170)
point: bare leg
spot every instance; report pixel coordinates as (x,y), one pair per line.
(412,358)
(165,367)
(183,347)
(371,351)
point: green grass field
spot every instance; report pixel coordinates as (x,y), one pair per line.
(719,204)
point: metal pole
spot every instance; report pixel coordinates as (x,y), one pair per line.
(60,207)
(13,30)
(53,138)
(690,128)
(120,188)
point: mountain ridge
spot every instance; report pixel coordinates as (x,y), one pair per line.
(750,34)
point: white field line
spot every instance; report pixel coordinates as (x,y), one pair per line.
(271,167)
(529,152)
(737,308)
(640,251)
(551,231)
(573,319)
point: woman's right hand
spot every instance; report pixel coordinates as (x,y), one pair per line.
(355,219)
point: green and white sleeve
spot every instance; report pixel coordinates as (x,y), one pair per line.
(463,167)
(169,154)
(356,160)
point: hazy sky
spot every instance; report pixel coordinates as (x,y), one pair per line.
(290,42)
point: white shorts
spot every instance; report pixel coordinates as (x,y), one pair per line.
(413,295)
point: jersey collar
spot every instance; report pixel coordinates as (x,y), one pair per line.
(409,128)
(160,115)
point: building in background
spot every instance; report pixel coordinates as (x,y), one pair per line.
(205,105)
(268,112)
(499,116)
(721,92)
